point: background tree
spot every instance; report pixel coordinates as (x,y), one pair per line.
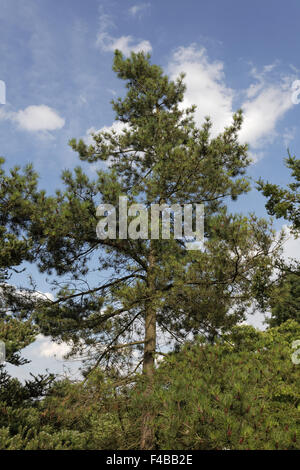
(285,300)
(124,294)
(240,393)
(18,193)
(285,202)
(284,293)
(18,197)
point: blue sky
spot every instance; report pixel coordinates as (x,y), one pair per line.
(56,59)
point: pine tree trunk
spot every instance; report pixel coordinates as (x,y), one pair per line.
(147,431)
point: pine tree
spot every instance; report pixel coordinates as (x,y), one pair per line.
(285,300)
(285,202)
(152,287)
(18,195)
(18,198)
(240,393)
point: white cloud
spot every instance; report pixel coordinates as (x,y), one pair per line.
(88,138)
(117,126)
(50,349)
(108,43)
(39,118)
(289,135)
(262,113)
(205,81)
(291,246)
(266,100)
(125,44)
(138,9)
(35,118)
(256,156)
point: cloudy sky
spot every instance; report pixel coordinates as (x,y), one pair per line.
(56,58)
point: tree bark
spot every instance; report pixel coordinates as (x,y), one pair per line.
(147,431)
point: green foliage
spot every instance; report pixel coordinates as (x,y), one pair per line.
(18,199)
(239,393)
(284,295)
(285,202)
(18,195)
(285,301)
(82,416)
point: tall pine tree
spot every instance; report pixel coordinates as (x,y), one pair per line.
(126,295)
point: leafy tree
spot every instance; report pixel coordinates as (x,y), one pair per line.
(126,294)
